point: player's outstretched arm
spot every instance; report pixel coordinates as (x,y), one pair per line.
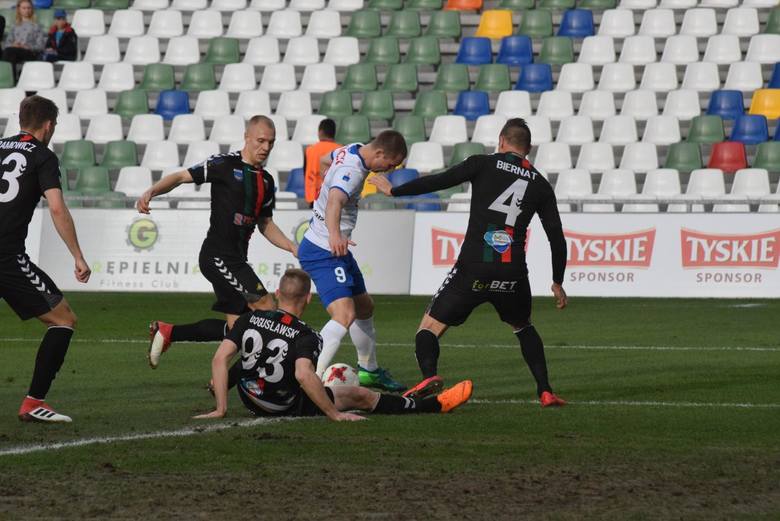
(163,186)
(63,222)
(339,245)
(456,175)
(276,236)
(219,375)
(312,386)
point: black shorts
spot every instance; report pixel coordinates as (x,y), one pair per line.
(466,287)
(26,287)
(302,406)
(235,283)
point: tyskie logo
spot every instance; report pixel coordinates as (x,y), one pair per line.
(446,246)
(627,250)
(702,250)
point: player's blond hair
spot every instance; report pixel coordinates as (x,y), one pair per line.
(294,285)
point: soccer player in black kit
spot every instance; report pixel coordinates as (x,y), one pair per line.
(278,358)
(29,170)
(242,197)
(506,192)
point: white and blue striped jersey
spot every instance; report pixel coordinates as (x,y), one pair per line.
(347,173)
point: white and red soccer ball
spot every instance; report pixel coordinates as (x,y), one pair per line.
(340,374)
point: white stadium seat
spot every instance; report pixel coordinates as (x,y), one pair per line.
(160,155)
(619,130)
(146,128)
(90,103)
(552,157)
(285,156)
(682,104)
(237,77)
(596,157)
(142,50)
(513,103)
(133,180)
(572,184)
(639,104)
(342,51)
(449,130)
(598,105)
(104,128)
(187,128)
(425,156)
(166,23)
(278,77)
(319,77)
(306,129)
(555,105)
(88,23)
(487,129)
(205,24)
(575,130)
(285,24)
(212,104)
(68,128)
(77,76)
(182,50)
(251,103)
(127,23)
(294,104)
(262,50)
(117,77)
(245,24)
(617,23)
(324,24)
(658,23)
(102,50)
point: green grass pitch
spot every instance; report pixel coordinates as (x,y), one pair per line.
(674,414)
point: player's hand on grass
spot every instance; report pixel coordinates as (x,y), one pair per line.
(210,415)
(348,417)
(561,300)
(143,202)
(382,184)
(82,270)
(339,246)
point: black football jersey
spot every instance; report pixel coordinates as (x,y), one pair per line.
(241,194)
(506,192)
(27,169)
(269,343)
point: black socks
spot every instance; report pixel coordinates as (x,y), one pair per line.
(51,355)
(393,404)
(207,330)
(426,348)
(533,353)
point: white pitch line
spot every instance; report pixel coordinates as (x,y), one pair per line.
(631,403)
(180,433)
(460,346)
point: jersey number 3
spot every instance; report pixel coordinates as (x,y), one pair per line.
(266,358)
(509,201)
(12,176)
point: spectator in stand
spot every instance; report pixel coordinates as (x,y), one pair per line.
(25,40)
(62,43)
(312,170)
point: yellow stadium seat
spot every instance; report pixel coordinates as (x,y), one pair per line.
(766,102)
(368,188)
(495,24)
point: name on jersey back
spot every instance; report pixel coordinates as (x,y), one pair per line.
(273,326)
(515,169)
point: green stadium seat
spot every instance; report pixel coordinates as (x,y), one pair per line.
(412,127)
(558,5)
(597,5)
(199,76)
(222,50)
(10,17)
(336,104)
(430,104)
(378,104)
(71,4)
(380,202)
(69,197)
(447,193)
(444,24)
(401,77)
(78,154)
(536,24)
(556,50)
(119,154)
(386,5)
(360,77)
(130,103)
(109,5)
(111,200)
(516,5)
(493,77)
(353,129)
(462,151)
(452,77)
(158,76)
(404,24)
(6,75)
(423,5)
(383,50)
(44,17)
(768,156)
(706,129)
(365,24)
(773,23)
(93,180)
(684,157)
(423,51)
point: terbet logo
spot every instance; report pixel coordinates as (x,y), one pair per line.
(702,250)
(142,234)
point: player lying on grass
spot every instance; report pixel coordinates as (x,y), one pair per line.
(506,193)
(278,357)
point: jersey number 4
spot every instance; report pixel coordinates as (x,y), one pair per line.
(12,176)
(266,358)
(509,201)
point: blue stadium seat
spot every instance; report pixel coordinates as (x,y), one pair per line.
(577,23)
(774,82)
(515,50)
(171,103)
(402,175)
(750,129)
(42,4)
(535,77)
(472,104)
(474,51)
(777,133)
(726,103)
(295,182)
(426,203)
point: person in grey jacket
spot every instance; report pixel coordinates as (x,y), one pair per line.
(26,39)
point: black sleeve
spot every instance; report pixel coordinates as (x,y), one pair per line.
(551,221)
(68,47)
(49,173)
(211,170)
(269,197)
(456,175)
(236,333)
(309,346)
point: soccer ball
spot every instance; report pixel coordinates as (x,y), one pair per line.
(340,374)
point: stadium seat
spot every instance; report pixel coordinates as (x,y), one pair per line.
(683,104)
(556,50)
(597,50)
(680,49)
(119,154)
(360,77)
(182,50)
(657,23)
(263,50)
(701,77)
(617,23)
(423,5)
(378,104)
(294,104)
(198,76)
(268,6)
(252,102)
(211,104)
(596,157)
(93,180)
(401,77)
(6,75)
(535,77)
(166,23)
(558,5)
(10,98)
(116,77)
(659,77)
(773,23)
(430,104)
(336,104)
(598,105)
(160,155)
(536,24)
(133,180)
(472,104)
(303,50)
(68,128)
(77,76)
(768,156)
(247,24)
(237,77)
(146,128)
(150,5)
(278,77)
(412,127)
(639,157)
(284,24)
(444,24)
(452,77)
(365,24)
(614,183)
(425,203)
(700,23)
(385,5)
(726,103)
(187,128)
(324,24)
(705,182)
(764,48)
(574,184)
(742,22)
(661,182)
(425,157)
(78,154)
(637,4)
(706,129)
(205,24)
(58,96)
(515,50)
(306,129)
(423,51)
(295,182)
(766,102)
(223,50)
(157,76)
(638,50)
(576,77)
(449,130)
(90,103)
(723,49)
(307,5)
(617,77)
(750,129)
(404,24)
(752,182)
(493,77)
(495,24)
(171,103)
(460,202)
(280,124)
(684,157)
(619,130)
(104,128)
(402,175)
(513,104)
(576,23)
(487,129)
(474,51)
(575,130)
(342,51)
(555,105)
(516,5)
(541,130)
(88,23)
(36,76)
(319,78)
(142,50)
(464,5)
(662,130)
(227,129)
(353,129)
(744,76)
(285,156)
(728,156)
(774,82)
(189,5)
(552,157)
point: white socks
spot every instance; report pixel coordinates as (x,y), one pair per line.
(331,334)
(363,336)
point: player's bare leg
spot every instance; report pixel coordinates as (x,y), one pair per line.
(533,353)
(61,321)
(426,349)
